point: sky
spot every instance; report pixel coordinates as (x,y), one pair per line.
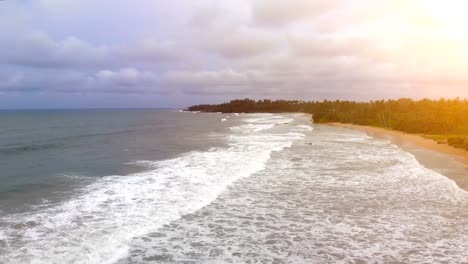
(157,53)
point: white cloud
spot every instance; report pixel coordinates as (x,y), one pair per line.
(150,50)
(241,43)
(280,13)
(126,77)
(37,49)
(204,78)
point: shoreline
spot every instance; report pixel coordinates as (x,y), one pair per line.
(444,159)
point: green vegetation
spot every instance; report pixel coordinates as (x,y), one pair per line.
(457,141)
(445,121)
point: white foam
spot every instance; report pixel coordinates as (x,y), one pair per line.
(336,202)
(223,119)
(249,128)
(358,201)
(267,118)
(97,225)
(305,127)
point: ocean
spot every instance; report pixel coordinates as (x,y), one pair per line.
(164,186)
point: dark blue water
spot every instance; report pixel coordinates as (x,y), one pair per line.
(45,154)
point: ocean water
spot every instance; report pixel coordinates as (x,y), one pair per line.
(162,186)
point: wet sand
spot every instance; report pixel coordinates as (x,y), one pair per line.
(447,160)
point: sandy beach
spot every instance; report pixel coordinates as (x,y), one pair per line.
(447,160)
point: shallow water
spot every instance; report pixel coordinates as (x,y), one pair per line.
(336,197)
(273,189)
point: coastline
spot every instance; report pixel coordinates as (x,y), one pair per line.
(445,159)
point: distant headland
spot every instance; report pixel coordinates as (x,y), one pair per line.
(443,120)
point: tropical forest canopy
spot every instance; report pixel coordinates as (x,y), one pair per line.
(444,116)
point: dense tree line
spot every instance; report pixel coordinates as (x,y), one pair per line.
(431,117)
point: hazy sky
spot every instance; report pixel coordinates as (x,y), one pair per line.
(151,53)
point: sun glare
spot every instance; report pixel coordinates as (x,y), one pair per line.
(451,14)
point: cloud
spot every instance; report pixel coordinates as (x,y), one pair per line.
(43,81)
(359,49)
(37,49)
(220,82)
(281,13)
(7,82)
(241,43)
(127,77)
(204,78)
(227,34)
(149,50)
(125,80)
(331,46)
